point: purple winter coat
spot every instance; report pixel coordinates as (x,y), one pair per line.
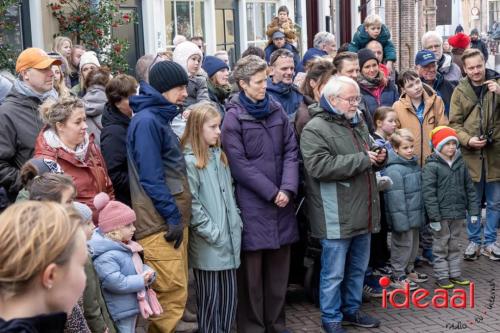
(263,160)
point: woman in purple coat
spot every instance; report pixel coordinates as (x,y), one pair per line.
(262,151)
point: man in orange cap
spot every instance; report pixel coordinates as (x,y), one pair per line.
(19,119)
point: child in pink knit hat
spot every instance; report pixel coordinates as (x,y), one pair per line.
(125,280)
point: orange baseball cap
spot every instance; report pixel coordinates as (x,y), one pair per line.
(34,57)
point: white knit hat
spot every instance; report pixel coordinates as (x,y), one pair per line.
(183,51)
(89,57)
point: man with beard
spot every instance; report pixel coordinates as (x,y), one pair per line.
(477,43)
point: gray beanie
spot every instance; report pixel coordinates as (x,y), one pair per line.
(166,75)
(84,210)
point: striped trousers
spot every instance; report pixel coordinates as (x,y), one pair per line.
(216,295)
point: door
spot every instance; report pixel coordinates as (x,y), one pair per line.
(312,21)
(225,28)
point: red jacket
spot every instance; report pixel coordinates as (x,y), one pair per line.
(90,177)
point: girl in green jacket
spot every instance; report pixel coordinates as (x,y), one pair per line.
(215,226)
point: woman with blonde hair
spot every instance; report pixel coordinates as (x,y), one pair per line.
(59,79)
(215,225)
(43,254)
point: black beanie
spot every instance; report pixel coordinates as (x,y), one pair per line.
(166,75)
(364,55)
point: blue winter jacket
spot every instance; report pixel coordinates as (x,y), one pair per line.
(117,275)
(361,38)
(310,54)
(287,95)
(389,95)
(156,152)
(404,205)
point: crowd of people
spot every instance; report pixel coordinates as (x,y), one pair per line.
(176,192)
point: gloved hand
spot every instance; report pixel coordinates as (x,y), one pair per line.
(474,219)
(383,182)
(175,233)
(436,226)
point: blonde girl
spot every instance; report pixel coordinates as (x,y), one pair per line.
(43,254)
(215,226)
(63,45)
(60,84)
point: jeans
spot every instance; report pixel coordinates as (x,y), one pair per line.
(343,266)
(126,325)
(492,193)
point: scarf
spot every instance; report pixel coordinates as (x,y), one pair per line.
(372,83)
(284,93)
(55,142)
(220,92)
(325,104)
(26,90)
(259,110)
(148,302)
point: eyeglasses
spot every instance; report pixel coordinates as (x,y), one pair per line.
(353,100)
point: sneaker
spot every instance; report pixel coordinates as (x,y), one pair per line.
(460,281)
(372,289)
(400,283)
(332,328)
(491,251)
(417,277)
(383,271)
(428,256)
(360,319)
(445,284)
(472,251)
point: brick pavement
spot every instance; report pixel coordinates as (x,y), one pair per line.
(302,316)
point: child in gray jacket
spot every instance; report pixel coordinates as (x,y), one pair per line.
(448,193)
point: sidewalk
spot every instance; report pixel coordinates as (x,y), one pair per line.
(302,316)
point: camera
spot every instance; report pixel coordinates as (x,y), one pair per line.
(488,136)
(377,149)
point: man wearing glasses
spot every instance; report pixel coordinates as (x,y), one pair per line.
(343,200)
(433,41)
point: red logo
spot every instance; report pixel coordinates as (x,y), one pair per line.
(419,298)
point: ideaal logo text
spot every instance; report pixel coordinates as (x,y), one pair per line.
(421,298)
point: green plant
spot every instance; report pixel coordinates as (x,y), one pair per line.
(8,52)
(90,22)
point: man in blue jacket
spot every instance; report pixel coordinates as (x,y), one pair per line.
(159,188)
(324,43)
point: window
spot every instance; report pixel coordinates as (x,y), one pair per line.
(493,12)
(184,17)
(10,30)
(259,15)
(225,26)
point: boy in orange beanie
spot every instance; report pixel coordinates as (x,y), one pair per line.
(448,194)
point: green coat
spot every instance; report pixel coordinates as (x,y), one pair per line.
(464,118)
(215,225)
(94,307)
(342,195)
(448,191)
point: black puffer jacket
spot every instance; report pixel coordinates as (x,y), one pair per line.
(53,323)
(20,124)
(114,150)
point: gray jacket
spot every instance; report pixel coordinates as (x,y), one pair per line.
(94,100)
(20,124)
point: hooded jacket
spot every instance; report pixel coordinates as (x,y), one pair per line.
(449,69)
(263,158)
(90,175)
(116,271)
(342,195)
(288,29)
(448,190)
(114,150)
(94,101)
(157,171)
(404,205)
(361,38)
(51,323)
(287,95)
(433,117)
(20,124)
(215,226)
(465,118)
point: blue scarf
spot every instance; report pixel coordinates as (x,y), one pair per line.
(259,110)
(286,95)
(325,104)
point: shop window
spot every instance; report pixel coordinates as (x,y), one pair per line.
(259,15)
(184,17)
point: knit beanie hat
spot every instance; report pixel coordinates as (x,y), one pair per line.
(166,75)
(459,41)
(441,135)
(364,55)
(183,51)
(112,214)
(84,210)
(89,57)
(212,65)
